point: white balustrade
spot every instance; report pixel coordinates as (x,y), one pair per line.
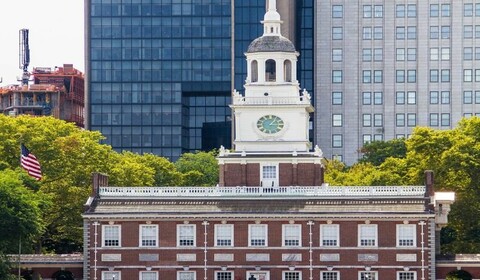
(268,100)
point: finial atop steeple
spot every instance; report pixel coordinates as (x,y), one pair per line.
(271,20)
(272,5)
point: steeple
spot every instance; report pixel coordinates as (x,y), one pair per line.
(271,20)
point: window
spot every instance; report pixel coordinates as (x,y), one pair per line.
(406,236)
(467,97)
(270,70)
(223,235)
(378,137)
(468,31)
(329,275)
(367,76)
(468,53)
(337,76)
(411,10)
(445,10)
(254,71)
(367,54)
(329,235)
(186,275)
(337,55)
(367,11)
(477,75)
(377,120)
(378,98)
(406,275)
(433,54)
(366,98)
(411,32)
(434,75)
(378,76)
(445,53)
(400,54)
(111,235)
(445,121)
(257,235)
(223,275)
(337,141)
(445,75)
(337,11)
(367,138)
(434,97)
(367,120)
(367,33)
(467,75)
(400,119)
(148,275)
(411,54)
(367,235)
(433,119)
(400,76)
(434,32)
(148,235)
(337,97)
(477,53)
(434,10)
(400,32)
(292,235)
(445,97)
(378,54)
(477,31)
(287,70)
(186,235)
(378,11)
(337,33)
(411,120)
(368,275)
(467,115)
(291,275)
(446,32)
(337,120)
(468,10)
(378,33)
(400,97)
(412,76)
(111,275)
(477,97)
(337,157)
(400,11)
(412,97)
(477,9)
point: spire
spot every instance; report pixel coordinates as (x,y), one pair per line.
(271,20)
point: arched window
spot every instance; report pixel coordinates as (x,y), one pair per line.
(287,70)
(270,70)
(254,70)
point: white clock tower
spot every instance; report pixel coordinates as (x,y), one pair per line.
(271,138)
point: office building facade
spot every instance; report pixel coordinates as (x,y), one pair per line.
(160,73)
(390,66)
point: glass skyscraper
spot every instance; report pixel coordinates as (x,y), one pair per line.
(159,72)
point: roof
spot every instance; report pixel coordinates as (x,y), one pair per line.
(271,44)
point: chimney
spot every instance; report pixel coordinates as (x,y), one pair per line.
(99,180)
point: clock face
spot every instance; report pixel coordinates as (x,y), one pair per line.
(270,124)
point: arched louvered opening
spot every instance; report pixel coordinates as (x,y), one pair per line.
(270,71)
(287,70)
(254,69)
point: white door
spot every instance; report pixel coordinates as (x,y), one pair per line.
(258,275)
(269,175)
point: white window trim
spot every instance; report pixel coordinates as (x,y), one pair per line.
(322,272)
(299,237)
(194,235)
(250,237)
(414,274)
(119,235)
(376,234)
(232,228)
(105,272)
(337,226)
(414,235)
(299,274)
(140,235)
(372,272)
(231,271)
(277,179)
(141,272)
(180,272)
(249,273)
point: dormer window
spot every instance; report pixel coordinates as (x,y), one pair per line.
(254,70)
(270,70)
(287,70)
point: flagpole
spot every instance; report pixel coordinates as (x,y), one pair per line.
(19,253)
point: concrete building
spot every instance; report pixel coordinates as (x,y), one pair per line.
(160,73)
(384,67)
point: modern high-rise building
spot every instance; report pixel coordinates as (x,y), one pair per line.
(160,73)
(384,67)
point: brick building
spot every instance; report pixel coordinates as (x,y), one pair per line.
(271,216)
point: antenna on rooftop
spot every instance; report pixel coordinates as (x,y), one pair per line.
(24,55)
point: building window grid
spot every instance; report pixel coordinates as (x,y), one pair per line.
(411,32)
(367,11)
(186,235)
(378,76)
(445,119)
(378,32)
(269,171)
(445,53)
(406,275)
(411,10)
(337,11)
(477,97)
(367,138)
(337,140)
(111,275)
(337,98)
(400,76)
(467,97)
(445,32)
(434,78)
(329,235)
(223,275)
(366,98)
(411,76)
(406,236)
(367,76)
(377,137)
(367,120)
(434,54)
(367,55)
(411,54)
(477,75)
(337,120)
(367,33)
(337,55)
(291,275)
(468,9)
(111,235)
(477,53)
(411,97)
(445,10)
(186,275)
(411,119)
(468,53)
(337,33)
(258,235)
(400,11)
(434,10)
(434,97)
(400,120)
(378,98)
(400,54)
(445,97)
(337,76)
(292,235)
(477,31)
(477,9)
(468,31)
(368,275)
(467,75)
(367,235)
(148,275)
(378,11)
(378,54)
(329,275)
(445,77)
(400,97)
(378,120)
(223,235)
(434,119)
(148,235)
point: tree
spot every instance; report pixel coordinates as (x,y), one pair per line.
(202,162)
(377,152)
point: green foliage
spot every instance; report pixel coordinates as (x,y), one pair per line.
(459,275)
(377,152)
(6,268)
(202,162)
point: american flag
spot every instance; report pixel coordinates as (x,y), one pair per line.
(30,163)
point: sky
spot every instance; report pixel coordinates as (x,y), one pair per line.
(56,34)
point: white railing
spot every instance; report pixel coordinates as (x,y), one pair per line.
(318,191)
(268,100)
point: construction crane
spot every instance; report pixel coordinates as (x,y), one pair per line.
(24,55)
